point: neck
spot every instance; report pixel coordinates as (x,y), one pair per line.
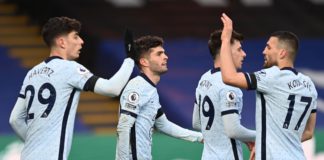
(56,52)
(283,64)
(216,64)
(155,78)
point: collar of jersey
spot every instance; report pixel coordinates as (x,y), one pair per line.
(290,69)
(147,79)
(214,70)
(51,58)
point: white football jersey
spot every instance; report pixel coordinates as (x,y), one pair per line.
(141,99)
(285,99)
(215,99)
(51,91)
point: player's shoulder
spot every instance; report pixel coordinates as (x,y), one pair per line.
(268,74)
(271,71)
(139,84)
(139,88)
(73,67)
(307,81)
(227,88)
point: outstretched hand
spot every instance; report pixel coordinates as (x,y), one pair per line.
(227,28)
(129,43)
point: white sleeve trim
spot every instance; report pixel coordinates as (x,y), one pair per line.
(115,84)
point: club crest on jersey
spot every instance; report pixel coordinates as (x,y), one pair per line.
(133,97)
(230,96)
(82,70)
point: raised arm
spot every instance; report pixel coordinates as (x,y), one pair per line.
(114,85)
(229,74)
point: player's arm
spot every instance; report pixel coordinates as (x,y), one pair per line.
(125,124)
(171,129)
(196,118)
(114,85)
(17,118)
(229,74)
(234,129)
(310,126)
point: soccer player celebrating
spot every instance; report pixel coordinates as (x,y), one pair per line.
(285,98)
(43,116)
(140,108)
(217,109)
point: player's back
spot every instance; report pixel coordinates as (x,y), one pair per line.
(214,100)
(52,94)
(285,99)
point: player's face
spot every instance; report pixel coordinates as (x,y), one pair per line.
(270,52)
(158,60)
(238,54)
(73,45)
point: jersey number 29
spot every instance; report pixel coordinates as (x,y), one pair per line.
(50,100)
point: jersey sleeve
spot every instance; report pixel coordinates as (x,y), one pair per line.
(230,100)
(78,75)
(169,128)
(261,80)
(131,100)
(314,103)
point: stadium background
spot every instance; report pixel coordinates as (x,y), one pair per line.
(185,25)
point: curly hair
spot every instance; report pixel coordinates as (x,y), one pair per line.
(57,26)
(143,45)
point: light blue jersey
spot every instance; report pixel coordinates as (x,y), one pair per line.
(140,113)
(140,98)
(51,92)
(216,99)
(285,99)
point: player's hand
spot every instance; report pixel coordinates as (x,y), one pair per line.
(252,153)
(227,28)
(129,43)
(250,145)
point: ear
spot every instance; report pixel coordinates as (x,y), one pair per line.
(60,42)
(143,62)
(283,53)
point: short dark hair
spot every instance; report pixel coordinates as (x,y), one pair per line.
(289,40)
(215,42)
(57,26)
(143,45)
